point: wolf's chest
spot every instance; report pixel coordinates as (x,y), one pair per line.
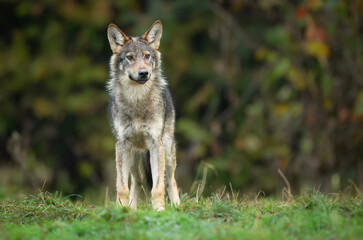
(139,130)
(137,123)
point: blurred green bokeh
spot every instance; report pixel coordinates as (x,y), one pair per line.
(258,85)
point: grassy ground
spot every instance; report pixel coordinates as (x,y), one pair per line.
(310,216)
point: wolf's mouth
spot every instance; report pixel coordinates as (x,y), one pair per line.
(139,81)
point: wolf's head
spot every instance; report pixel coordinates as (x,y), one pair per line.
(135,60)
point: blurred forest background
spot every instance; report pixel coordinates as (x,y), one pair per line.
(257,85)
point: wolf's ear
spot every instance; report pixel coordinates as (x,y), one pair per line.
(116,38)
(153,35)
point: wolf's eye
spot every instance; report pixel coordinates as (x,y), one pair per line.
(147,56)
(129,57)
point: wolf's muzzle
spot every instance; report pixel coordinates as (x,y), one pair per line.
(138,79)
(142,76)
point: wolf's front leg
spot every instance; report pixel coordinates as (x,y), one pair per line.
(171,186)
(157,162)
(122,176)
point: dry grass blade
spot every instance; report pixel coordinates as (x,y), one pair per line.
(286,191)
(107,198)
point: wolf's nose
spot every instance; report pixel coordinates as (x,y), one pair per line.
(143,73)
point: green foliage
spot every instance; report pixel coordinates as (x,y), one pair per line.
(258,85)
(309,216)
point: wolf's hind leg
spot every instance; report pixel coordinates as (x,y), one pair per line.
(122,172)
(136,179)
(170,166)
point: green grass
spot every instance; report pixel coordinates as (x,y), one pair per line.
(309,216)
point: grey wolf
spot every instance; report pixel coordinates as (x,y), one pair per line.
(142,117)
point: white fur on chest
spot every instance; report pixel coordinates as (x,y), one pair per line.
(137,131)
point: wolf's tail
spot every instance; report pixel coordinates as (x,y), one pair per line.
(147,170)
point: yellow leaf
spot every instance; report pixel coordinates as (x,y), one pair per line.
(315,4)
(280,109)
(317,49)
(297,78)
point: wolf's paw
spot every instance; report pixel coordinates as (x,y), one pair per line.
(122,200)
(174,195)
(157,199)
(133,205)
(158,208)
(158,205)
(175,202)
